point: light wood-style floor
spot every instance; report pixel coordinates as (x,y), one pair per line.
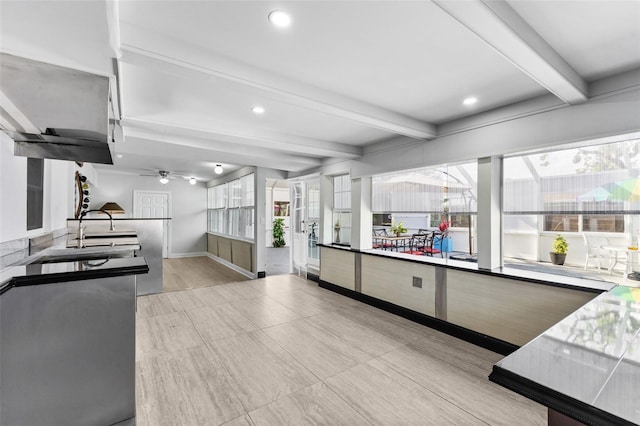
(195,272)
(282,351)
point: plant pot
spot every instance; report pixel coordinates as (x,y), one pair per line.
(558,258)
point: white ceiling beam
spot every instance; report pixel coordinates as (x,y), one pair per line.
(17,116)
(248,139)
(149,146)
(138,44)
(496,23)
(169,134)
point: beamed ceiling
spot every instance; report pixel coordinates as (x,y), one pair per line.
(342,76)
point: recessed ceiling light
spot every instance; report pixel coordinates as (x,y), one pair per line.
(470,101)
(192,181)
(218,169)
(280,19)
(119,155)
(258,110)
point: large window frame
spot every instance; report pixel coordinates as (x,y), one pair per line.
(565,189)
(231,208)
(341,212)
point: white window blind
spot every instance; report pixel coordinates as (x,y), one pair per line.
(439,189)
(601,179)
(231,207)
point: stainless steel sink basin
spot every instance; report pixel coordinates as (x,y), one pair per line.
(58,255)
(78,257)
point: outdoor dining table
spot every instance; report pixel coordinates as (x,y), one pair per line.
(615,249)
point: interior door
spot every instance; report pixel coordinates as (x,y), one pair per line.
(299,240)
(154,205)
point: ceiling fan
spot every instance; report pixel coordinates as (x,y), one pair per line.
(165,175)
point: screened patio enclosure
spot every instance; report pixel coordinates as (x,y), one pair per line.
(581,193)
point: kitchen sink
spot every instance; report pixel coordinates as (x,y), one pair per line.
(78,255)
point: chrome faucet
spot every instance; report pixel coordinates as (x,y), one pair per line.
(81,231)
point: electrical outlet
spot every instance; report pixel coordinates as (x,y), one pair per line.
(417,282)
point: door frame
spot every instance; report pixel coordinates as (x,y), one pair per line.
(167,223)
(298,239)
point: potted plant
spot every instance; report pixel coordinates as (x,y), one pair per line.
(559,250)
(278,232)
(398,229)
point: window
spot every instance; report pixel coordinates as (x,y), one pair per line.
(587,189)
(231,208)
(584,189)
(424,198)
(35,184)
(217,208)
(342,209)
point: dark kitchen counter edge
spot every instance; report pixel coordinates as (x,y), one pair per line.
(555,400)
(573,283)
(118,267)
(122,218)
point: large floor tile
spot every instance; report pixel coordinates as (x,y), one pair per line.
(324,354)
(302,303)
(390,325)
(239,421)
(356,335)
(260,370)
(264,311)
(165,334)
(315,405)
(187,299)
(473,359)
(219,322)
(385,397)
(188,387)
(156,304)
(479,396)
(216,295)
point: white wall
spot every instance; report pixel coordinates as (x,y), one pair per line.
(58,193)
(188,206)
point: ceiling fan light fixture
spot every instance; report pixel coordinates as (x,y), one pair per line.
(258,110)
(192,180)
(280,19)
(164,180)
(218,169)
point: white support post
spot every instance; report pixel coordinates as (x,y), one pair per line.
(361,217)
(326,208)
(489,212)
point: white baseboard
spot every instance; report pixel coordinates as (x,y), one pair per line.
(196,254)
(230,265)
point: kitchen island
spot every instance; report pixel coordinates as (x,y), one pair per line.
(67,336)
(586,368)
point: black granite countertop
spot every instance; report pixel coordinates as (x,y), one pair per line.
(587,366)
(55,263)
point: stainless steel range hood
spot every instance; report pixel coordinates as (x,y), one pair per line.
(55,112)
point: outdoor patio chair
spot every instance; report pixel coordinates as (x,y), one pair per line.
(593,246)
(417,244)
(429,250)
(378,243)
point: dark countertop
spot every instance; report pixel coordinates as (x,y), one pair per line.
(69,264)
(121,218)
(587,366)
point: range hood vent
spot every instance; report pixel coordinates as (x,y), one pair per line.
(55,112)
(63,144)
